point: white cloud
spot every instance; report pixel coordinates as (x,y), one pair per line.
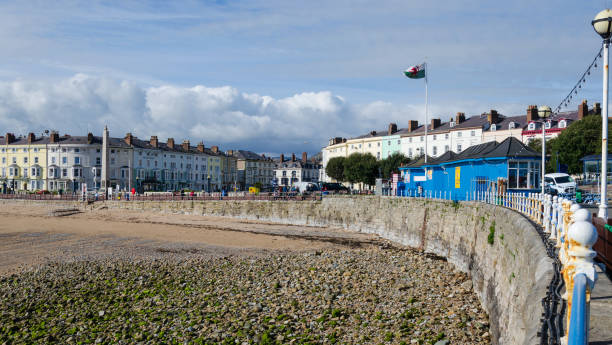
(216,115)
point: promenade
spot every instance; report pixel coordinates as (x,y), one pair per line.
(600,326)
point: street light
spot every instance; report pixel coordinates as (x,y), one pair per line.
(543,112)
(603,26)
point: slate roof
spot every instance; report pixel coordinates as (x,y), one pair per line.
(510,147)
(248,155)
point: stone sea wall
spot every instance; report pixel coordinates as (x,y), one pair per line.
(499,248)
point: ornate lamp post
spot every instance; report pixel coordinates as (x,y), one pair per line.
(543,112)
(603,26)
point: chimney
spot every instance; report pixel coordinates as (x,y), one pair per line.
(170,143)
(54,137)
(392,128)
(185,145)
(532,113)
(129,139)
(413,125)
(492,117)
(597,109)
(31,137)
(201,147)
(90,138)
(459,118)
(583,110)
(215,149)
(435,123)
(373,133)
(154,141)
(293,157)
(282,158)
(304,157)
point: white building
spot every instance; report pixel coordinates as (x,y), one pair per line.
(288,172)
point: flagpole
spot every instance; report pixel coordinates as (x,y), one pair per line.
(426,109)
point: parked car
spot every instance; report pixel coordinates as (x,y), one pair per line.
(305,187)
(333,187)
(560,182)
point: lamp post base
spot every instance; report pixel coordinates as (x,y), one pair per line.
(603,211)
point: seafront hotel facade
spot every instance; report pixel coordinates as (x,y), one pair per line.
(66,163)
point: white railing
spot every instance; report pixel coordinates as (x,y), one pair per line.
(569,226)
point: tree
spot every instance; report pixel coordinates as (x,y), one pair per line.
(335,168)
(391,164)
(360,167)
(579,139)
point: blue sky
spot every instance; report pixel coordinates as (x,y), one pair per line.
(282,76)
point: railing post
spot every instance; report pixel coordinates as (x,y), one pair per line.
(580,270)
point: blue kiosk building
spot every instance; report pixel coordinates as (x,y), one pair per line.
(509,166)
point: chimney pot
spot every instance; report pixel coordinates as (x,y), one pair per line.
(492,117)
(293,157)
(532,113)
(459,118)
(304,157)
(214,149)
(170,143)
(583,110)
(392,128)
(31,137)
(413,125)
(282,158)
(185,145)
(128,139)
(201,147)
(597,109)
(154,142)
(90,138)
(54,137)
(435,123)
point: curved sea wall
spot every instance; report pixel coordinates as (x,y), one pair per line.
(499,248)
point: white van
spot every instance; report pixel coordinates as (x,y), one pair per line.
(306,187)
(560,182)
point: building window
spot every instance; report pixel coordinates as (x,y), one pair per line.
(523,175)
(377,155)
(511,125)
(389,143)
(63,149)
(446,148)
(25,160)
(458,148)
(422,139)
(473,133)
(64,172)
(547,125)
(493,128)
(435,137)
(409,140)
(562,124)
(64,160)
(98,160)
(77,160)
(446,136)
(3,160)
(76,150)
(399,141)
(52,160)
(435,150)
(459,134)
(284,173)
(14,160)
(410,152)
(532,126)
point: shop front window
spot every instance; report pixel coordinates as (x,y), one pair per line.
(523,175)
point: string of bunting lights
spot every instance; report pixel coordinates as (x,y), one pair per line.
(566,101)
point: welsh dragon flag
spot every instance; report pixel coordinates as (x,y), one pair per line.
(415,72)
